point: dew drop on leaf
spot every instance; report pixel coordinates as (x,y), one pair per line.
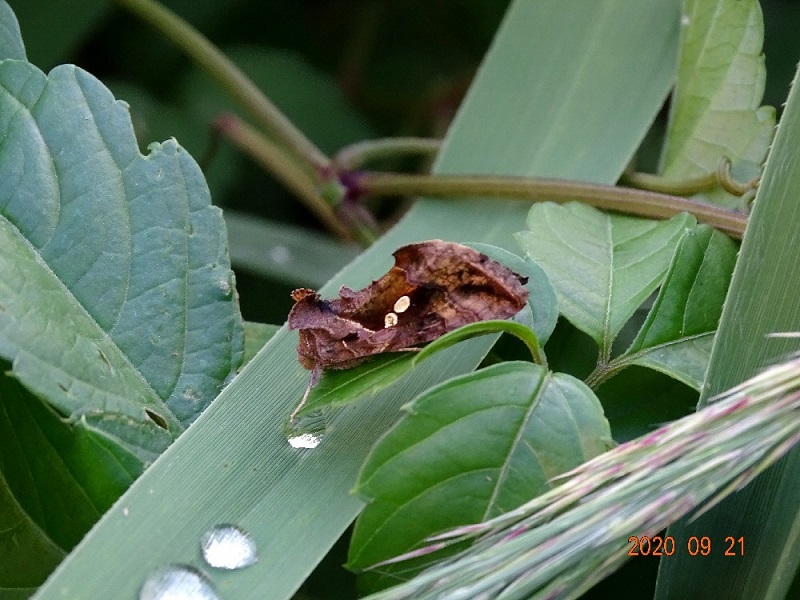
(305,440)
(177,582)
(228,547)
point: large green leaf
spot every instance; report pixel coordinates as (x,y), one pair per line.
(720,85)
(581,113)
(602,266)
(762,300)
(425,476)
(11,44)
(118,308)
(126,251)
(677,335)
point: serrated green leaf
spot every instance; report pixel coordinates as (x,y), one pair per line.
(76,366)
(11,44)
(117,306)
(720,86)
(677,336)
(424,475)
(159,119)
(127,251)
(541,314)
(602,266)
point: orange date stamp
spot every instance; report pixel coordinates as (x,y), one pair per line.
(696,546)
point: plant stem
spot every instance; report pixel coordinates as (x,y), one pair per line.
(355,155)
(607,197)
(274,159)
(688,187)
(683,187)
(232,79)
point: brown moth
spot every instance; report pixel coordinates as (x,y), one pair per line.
(434,287)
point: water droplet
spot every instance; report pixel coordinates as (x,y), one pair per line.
(228,547)
(305,440)
(177,582)
(280,255)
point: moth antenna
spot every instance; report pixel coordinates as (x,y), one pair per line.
(312,381)
(302,403)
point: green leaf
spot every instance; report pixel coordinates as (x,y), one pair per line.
(11,44)
(117,306)
(255,336)
(720,85)
(602,266)
(541,314)
(480,328)
(128,257)
(159,119)
(425,476)
(337,388)
(762,300)
(59,350)
(677,336)
(56,479)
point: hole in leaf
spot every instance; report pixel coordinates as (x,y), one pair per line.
(156,418)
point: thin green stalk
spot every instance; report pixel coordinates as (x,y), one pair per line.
(688,187)
(606,370)
(355,155)
(607,197)
(274,159)
(661,185)
(232,79)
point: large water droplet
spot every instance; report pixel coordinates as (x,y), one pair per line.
(228,547)
(307,430)
(305,440)
(177,582)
